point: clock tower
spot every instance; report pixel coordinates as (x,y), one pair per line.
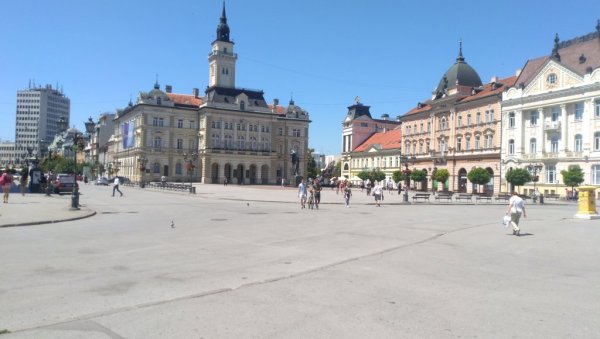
(222,59)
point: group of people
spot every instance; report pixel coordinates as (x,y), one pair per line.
(309,194)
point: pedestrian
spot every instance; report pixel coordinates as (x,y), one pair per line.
(225,181)
(399,187)
(516,208)
(369,186)
(377,193)
(317,190)
(85,179)
(390,187)
(116,186)
(23,181)
(6,182)
(347,192)
(302,192)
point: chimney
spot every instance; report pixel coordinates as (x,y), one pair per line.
(195,92)
(169,89)
(275,102)
(518,72)
(494,79)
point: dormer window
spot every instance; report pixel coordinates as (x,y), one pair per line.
(242,105)
(158,100)
(551,79)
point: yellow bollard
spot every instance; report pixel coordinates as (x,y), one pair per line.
(587,203)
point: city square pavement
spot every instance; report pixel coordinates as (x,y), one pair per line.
(247,262)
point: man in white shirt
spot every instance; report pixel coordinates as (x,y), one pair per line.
(302,192)
(116,187)
(516,208)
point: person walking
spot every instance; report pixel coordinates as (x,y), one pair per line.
(6,181)
(225,181)
(317,191)
(23,181)
(302,192)
(116,187)
(516,208)
(347,193)
(378,194)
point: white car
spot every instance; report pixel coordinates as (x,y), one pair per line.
(102,181)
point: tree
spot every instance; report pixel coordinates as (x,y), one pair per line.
(337,170)
(479,176)
(397,176)
(377,175)
(363,175)
(418,175)
(518,176)
(311,165)
(573,176)
(441,175)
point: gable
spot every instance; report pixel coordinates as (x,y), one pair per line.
(552,77)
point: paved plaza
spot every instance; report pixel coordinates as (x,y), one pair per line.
(247,262)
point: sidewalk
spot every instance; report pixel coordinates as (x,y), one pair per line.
(35,209)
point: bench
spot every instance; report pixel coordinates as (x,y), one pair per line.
(446,196)
(551,196)
(504,197)
(464,196)
(423,196)
(487,198)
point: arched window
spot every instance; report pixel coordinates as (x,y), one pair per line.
(532,146)
(578,143)
(489,140)
(443,123)
(459,123)
(477,141)
(156,168)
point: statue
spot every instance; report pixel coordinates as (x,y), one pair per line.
(295,163)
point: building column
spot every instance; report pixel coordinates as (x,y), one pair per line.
(542,121)
(564,128)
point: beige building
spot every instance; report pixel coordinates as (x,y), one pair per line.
(458,129)
(551,117)
(228,133)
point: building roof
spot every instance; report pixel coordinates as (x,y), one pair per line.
(459,74)
(185,100)
(391,139)
(580,54)
(492,88)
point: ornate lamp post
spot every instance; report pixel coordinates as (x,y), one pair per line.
(406,160)
(534,169)
(190,159)
(142,160)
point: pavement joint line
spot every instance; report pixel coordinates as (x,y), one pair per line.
(91,316)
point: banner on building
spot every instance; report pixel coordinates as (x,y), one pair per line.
(127,132)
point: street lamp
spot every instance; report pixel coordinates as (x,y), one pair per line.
(406,160)
(190,159)
(534,169)
(142,160)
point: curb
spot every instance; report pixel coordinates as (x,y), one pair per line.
(41,222)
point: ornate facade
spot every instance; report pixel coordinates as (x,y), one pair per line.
(229,132)
(551,117)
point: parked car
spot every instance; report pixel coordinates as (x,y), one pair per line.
(64,183)
(102,181)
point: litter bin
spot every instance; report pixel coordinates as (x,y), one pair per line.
(541,199)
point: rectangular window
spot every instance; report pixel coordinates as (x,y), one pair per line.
(155,121)
(597,141)
(533,146)
(296,133)
(161,122)
(280,131)
(511,120)
(459,122)
(511,147)
(550,174)
(429,126)
(179,143)
(596,175)
(578,143)
(533,118)
(179,123)
(191,123)
(477,137)
(555,114)
(579,111)
(554,145)
(467,144)
(459,144)
(489,141)
(597,108)
(478,118)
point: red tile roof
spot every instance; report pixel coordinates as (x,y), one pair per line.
(280,109)
(185,99)
(488,90)
(391,139)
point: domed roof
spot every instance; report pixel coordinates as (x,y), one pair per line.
(458,74)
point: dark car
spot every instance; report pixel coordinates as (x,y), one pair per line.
(64,183)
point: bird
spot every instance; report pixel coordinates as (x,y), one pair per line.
(172,224)
(247,204)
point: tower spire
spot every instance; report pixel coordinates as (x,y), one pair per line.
(223,28)
(460,57)
(555,54)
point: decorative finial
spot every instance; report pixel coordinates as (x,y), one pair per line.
(357,100)
(555,54)
(460,57)
(156,85)
(223,14)
(292,98)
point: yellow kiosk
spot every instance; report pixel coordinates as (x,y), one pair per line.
(587,203)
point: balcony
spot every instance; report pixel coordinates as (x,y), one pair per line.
(549,155)
(552,126)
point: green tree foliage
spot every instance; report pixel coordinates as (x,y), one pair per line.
(377,175)
(518,176)
(418,175)
(441,175)
(364,175)
(397,176)
(311,165)
(573,176)
(479,176)
(337,171)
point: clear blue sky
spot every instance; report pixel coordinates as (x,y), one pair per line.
(389,53)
